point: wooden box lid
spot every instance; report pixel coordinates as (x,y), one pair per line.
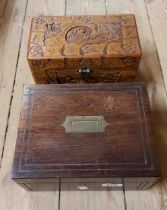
(99,130)
(63,37)
(74,49)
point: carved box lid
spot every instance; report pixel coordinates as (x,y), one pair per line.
(86,130)
(83,36)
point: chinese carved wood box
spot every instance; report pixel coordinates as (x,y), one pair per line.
(74,49)
(84,134)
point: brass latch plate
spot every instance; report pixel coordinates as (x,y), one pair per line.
(84,124)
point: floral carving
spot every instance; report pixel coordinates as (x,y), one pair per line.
(40,20)
(36,51)
(129,61)
(78,34)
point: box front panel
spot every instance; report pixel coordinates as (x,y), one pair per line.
(44,74)
(88,184)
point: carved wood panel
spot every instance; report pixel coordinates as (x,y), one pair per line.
(96,42)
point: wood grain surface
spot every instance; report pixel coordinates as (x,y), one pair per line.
(114,199)
(20,199)
(11,28)
(151,71)
(123,147)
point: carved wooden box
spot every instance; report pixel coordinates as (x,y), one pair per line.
(84,134)
(74,49)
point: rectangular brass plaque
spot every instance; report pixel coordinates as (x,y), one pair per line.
(84,124)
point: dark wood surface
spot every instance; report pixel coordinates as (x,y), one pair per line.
(125,149)
(108,45)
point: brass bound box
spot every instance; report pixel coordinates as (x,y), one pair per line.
(74,49)
(84,134)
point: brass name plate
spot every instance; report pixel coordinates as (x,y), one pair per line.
(84,124)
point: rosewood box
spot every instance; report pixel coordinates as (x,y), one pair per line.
(77,49)
(84,134)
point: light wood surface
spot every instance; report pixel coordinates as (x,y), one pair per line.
(10,38)
(150,71)
(14,72)
(157,12)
